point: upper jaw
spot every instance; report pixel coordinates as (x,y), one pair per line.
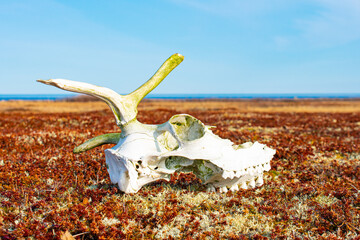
(132,175)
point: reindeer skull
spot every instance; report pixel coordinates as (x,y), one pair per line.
(146,153)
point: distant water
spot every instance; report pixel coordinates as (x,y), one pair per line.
(30,97)
(194,96)
(255,96)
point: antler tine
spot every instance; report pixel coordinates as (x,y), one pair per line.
(113,99)
(123,107)
(172,62)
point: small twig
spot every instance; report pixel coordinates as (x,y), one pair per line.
(358,229)
(354,187)
(80,234)
(350,182)
(309,236)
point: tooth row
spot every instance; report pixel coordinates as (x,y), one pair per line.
(259,181)
(234,188)
(247,171)
(254,182)
(211,188)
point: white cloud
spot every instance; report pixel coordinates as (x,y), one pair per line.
(338,22)
(317,23)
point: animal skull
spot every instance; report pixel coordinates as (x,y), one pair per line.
(146,153)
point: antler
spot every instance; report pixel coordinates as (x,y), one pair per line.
(169,65)
(113,99)
(123,107)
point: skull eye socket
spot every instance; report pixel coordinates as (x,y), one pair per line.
(187,127)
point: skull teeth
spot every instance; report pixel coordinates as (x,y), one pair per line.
(234,188)
(259,181)
(238,173)
(228,174)
(244,186)
(246,178)
(223,189)
(247,183)
(211,188)
(252,183)
(267,166)
(253,170)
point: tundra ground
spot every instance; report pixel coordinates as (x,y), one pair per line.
(312,190)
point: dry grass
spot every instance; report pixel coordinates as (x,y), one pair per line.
(51,106)
(323,106)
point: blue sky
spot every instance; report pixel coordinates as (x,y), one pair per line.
(230,46)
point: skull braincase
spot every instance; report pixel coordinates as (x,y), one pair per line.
(146,153)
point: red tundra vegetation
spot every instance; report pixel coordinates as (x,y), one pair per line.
(312,190)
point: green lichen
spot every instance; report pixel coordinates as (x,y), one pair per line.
(200,170)
(187,128)
(182,164)
(110,138)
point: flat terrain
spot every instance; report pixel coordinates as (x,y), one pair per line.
(311,192)
(325,106)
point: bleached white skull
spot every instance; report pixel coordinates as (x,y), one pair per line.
(146,153)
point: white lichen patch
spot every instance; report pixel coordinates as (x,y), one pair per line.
(127,228)
(49,181)
(214,209)
(110,221)
(195,199)
(248,224)
(299,210)
(167,231)
(326,200)
(237,223)
(252,200)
